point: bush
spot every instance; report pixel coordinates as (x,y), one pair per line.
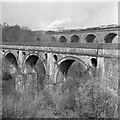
(74,98)
(16,34)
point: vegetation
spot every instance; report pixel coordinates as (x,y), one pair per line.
(16,33)
(29,95)
(70,99)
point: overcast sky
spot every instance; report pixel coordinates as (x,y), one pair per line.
(54,15)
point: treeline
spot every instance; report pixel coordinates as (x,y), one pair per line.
(16,33)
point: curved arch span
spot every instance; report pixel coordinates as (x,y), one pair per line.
(75,38)
(90,38)
(109,37)
(53,39)
(116,39)
(67,64)
(38,65)
(11,58)
(9,68)
(63,39)
(31,60)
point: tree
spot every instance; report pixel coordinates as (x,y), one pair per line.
(16,34)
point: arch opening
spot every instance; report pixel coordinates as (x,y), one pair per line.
(23,53)
(64,66)
(38,39)
(75,38)
(9,67)
(11,59)
(17,52)
(55,57)
(109,37)
(90,38)
(72,68)
(35,65)
(94,62)
(63,39)
(53,39)
(32,60)
(116,39)
(45,56)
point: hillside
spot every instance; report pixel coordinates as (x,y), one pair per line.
(16,33)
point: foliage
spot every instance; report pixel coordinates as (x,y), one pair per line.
(16,33)
(74,98)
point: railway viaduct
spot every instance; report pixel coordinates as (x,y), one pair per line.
(90,47)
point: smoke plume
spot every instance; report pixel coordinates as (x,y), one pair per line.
(59,24)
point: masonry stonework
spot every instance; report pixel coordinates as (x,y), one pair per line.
(51,57)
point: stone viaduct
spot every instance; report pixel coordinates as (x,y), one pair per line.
(102,34)
(91,47)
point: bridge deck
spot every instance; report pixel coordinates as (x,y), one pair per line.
(96,50)
(67,45)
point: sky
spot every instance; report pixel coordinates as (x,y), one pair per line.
(59,15)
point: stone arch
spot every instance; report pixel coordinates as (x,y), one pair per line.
(116,39)
(109,37)
(94,62)
(75,38)
(34,58)
(90,38)
(53,39)
(11,58)
(64,64)
(38,39)
(9,68)
(36,64)
(55,57)
(45,56)
(31,60)
(62,39)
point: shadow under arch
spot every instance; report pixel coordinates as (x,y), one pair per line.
(62,39)
(90,38)
(75,38)
(64,64)
(116,39)
(109,37)
(9,57)
(37,63)
(53,39)
(32,59)
(9,69)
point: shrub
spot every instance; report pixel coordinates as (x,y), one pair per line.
(84,97)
